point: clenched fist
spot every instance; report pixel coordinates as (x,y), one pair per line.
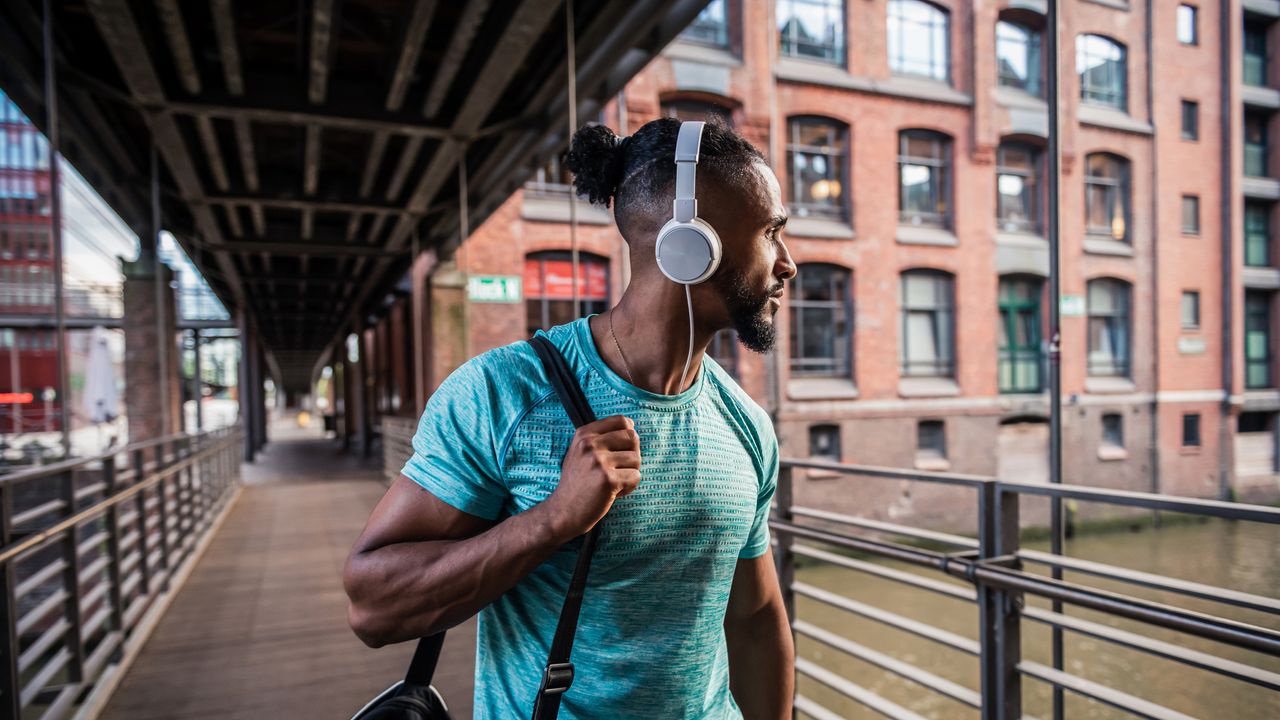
(602,465)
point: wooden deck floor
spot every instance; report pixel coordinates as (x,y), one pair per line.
(259,630)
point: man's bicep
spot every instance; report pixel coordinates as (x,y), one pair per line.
(755,587)
(409,512)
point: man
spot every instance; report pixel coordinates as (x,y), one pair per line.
(682,616)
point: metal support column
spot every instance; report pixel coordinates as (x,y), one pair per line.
(999,609)
(55,227)
(246,383)
(1052,56)
(198,380)
(786,559)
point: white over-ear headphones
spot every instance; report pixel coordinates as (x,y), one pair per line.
(688,248)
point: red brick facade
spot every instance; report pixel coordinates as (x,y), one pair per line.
(1173,370)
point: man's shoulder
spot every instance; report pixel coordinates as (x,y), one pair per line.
(511,374)
(754,419)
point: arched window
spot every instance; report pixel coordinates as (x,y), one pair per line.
(924,178)
(928,324)
(1103,71)
(812,29)
(817,155)
(1018,56)
(821,321)
(548,288)
(1110,330)
(689,109)
(919,40)
(1106,196)
(1019,317)
(1018,187)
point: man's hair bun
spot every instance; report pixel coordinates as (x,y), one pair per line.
(597,159)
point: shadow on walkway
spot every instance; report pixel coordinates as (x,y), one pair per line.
(259,629)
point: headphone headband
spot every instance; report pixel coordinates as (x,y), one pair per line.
(688,146)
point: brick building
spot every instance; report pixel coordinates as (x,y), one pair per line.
(910,138)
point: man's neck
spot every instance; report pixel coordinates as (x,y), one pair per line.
(645,338)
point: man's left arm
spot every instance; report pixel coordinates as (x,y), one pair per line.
(758,634)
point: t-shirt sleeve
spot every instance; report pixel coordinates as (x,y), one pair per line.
(758,539)
(455,447)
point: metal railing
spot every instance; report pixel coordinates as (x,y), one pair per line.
(86,548)
(994,563)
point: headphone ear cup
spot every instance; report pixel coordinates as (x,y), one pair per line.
(688,253)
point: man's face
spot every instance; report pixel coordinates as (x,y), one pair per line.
(755,265)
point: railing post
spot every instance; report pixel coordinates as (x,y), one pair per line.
(785,561)
(113,545)
(140,499)
(71,582)
(163,507)
(999,610)
(10,703)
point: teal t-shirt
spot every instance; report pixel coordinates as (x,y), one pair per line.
(650,641)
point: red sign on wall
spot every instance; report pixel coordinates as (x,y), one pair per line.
(553,279)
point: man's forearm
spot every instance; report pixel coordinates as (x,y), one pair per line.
(408,590)
(762,664)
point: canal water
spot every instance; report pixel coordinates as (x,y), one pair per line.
(1237,555)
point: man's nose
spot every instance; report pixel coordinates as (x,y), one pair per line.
(784,268)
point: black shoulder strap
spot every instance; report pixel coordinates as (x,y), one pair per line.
(423,665)
(558,675)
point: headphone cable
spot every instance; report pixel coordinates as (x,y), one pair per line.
(688,300)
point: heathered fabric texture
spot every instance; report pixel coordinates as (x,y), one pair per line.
(650,640)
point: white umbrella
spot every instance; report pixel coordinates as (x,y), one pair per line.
(101,401)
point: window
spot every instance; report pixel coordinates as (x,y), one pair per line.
(1257,339)
(931,440)
(1106,192)
(548,288)
(711,27)
(1113,430)
(821,321)
(1255,145)
(817,155)
(1018,56)
(1257,234)
(1255,54)
(698,110)
(824,442)
(1191,309)
(1190,120)
(1019,317)
(1017,181)
(812,29)
(1188,32)
(553,179)
(928,324)
(1100,63)
(924,182)
(724,349)
(919,41)
(1190,214)
(1191,430)
(1109,334)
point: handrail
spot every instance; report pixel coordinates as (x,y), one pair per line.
(76,463)
(993,564)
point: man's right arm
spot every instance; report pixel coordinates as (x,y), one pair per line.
(422,566)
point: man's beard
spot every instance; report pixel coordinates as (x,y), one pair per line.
(749,312)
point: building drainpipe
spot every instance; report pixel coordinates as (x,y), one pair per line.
(772,369)
(1053,33)
(1155,267)
(1226,19)
(55,228)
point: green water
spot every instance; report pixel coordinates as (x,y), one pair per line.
(1236,555)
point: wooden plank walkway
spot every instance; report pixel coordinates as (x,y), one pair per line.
(259,629)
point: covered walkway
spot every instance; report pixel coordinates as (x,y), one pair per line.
(259,628)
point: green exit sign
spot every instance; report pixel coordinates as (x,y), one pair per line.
(494,288)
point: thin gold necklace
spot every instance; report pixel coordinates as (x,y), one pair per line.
(626,365)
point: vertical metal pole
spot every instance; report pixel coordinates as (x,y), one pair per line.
(1054,18)
(10,687)
(573,127)
(464,231)
(55,227)
(198,380)
(71,581)
(786,559)
(162,491)
(999,610)
(140,501)
(113,545)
